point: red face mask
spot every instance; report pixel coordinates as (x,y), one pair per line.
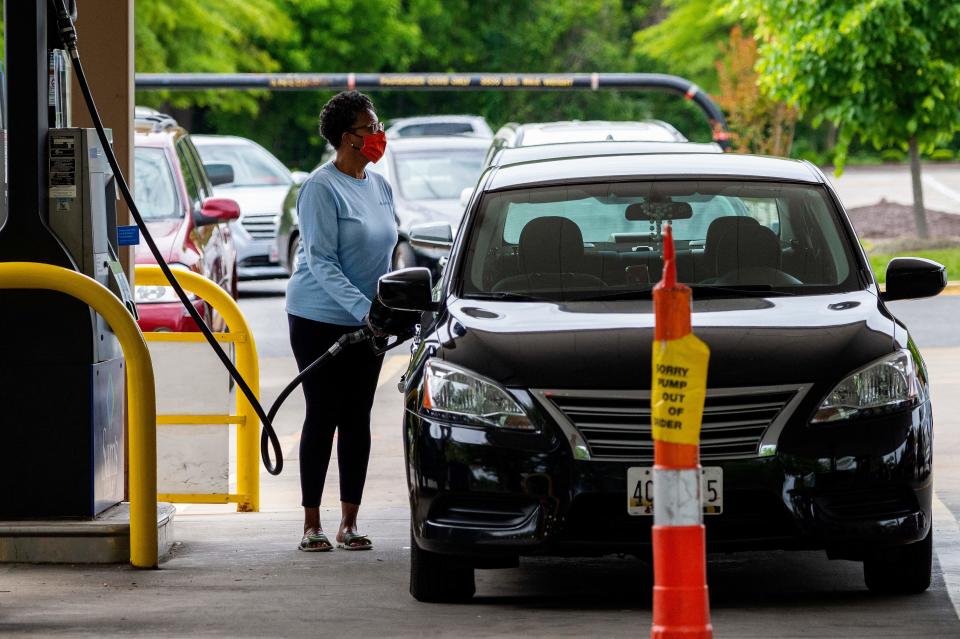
(373,146)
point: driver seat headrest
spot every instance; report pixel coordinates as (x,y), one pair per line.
(744,245)
(550,244)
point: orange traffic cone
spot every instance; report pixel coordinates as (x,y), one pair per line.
(680,604)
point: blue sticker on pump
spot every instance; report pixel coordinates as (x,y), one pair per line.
(128,235)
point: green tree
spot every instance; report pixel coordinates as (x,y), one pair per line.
(884,71)
(324,36)
(687,39)
(537,36)
(207,36)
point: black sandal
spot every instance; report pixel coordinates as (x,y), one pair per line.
(315,541)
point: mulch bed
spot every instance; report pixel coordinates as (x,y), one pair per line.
(887,220)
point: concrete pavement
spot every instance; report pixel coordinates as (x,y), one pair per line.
(240,575)
(866,185)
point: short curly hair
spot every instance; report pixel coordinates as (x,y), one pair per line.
(338,115)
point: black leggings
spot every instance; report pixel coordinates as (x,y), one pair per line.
(339,396)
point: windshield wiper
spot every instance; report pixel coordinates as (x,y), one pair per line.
(644,294)
(507,295)
(747,290)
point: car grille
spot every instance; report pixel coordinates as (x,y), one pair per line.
(260,227)
(616,425)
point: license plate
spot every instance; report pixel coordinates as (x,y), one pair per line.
(640,490)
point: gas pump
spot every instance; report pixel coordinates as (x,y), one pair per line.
(61,368)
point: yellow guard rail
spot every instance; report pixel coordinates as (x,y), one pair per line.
(248,460)
(141,414)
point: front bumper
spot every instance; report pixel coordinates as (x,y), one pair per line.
(169,317)
(847,489)
(257,259)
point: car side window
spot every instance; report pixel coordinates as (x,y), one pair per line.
(203,182)
(189,176)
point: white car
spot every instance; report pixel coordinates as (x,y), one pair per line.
(246,172)
(425,125)
(656,132)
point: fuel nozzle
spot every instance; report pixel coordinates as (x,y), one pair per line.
(388,321)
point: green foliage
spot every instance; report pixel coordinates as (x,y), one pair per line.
(212,36)
(688,39)
(323,36)
(885,71)
(447,36)
(949,257)
(544,36)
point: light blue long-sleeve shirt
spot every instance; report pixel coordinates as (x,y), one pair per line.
(347,234)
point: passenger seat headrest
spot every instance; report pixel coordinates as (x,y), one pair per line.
(747,246)
(551,244)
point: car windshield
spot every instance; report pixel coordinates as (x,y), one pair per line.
(437,175)
(593,242)
(434,128)
(156,192)
(251,164)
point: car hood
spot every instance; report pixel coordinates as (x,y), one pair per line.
(256,200)
(427,211)
(169,238)
(753,342)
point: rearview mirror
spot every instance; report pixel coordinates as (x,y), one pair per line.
(409,289)
(913,278)
(658,211)
(219,173)
(299,177)
(431,236)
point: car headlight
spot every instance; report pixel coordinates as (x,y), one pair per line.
(887,385)
(457,394)
(159,294)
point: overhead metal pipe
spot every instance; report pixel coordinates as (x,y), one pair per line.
(444,82)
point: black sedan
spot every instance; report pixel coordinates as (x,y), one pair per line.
(528,393)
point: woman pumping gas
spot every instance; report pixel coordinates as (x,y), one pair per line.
(348,232)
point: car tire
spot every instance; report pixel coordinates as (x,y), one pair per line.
(436,578)
(292,254)
(403,256)
(902,570)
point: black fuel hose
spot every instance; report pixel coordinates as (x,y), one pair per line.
(268,437)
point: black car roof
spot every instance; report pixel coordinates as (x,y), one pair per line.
(640,166)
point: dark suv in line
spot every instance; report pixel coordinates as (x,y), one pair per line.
(527,421)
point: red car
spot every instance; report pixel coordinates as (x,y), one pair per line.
(189,225)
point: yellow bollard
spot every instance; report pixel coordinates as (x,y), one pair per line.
(140,386)
(248,452)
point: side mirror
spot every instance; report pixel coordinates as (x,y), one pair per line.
(432,236)
(299,177)
(219,173)
(912,278)
(218,209)
(465,196)
(409,289)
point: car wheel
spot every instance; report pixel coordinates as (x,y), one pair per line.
(403,256)
(436,578)
(292,254)
(901,570)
